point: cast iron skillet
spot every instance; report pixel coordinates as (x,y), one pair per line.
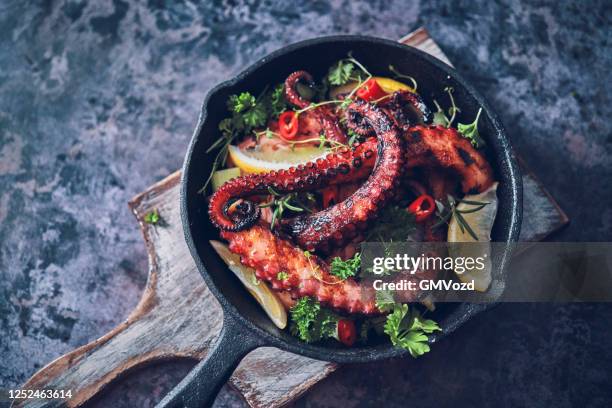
(245,325)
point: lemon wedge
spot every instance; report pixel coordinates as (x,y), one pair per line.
(260,290)
(260,162)
(481,222)
(387,84)
(220,177)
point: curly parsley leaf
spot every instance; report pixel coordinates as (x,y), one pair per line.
(470,131)
(152,217)
(255,117)
(310,322)
(409,330)
(340,73)
(344,269)
(278,104)
(240,103)
(247,114)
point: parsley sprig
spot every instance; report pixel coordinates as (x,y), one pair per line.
(345,269)
(347,70)
(311,322)
(282,202)
(445,212)
(247,113)
(470,131)
(407,329)
(152,217)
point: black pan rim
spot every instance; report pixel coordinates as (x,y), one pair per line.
(360,354)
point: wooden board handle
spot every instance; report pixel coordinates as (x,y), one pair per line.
(88,369)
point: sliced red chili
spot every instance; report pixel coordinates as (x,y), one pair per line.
(423,207)
(288,125)
(347,333)
(370,91)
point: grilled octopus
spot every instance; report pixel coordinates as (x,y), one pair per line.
(230,211)
(398,147)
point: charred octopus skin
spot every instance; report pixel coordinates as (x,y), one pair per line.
(323,114)
(341,222)
(405,108)
(307,275)
(230,211)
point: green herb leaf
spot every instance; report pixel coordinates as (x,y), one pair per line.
(340,73)
(470,131)
(280,203)
(241,103)
(255,117)
(445,212)
(282,276)
(408,330)
(440,117)
(310,322)
(344,269)
(152,217)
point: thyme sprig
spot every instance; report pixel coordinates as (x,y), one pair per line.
(282,202)
(322,140)
(440,116)
(404,76)
(444,213)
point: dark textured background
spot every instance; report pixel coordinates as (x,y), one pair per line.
(98,101)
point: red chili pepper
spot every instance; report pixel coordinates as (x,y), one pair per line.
(347,333)
(288,125)
(370,91)
(422,207)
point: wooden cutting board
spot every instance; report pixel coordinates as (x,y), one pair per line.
(178,317)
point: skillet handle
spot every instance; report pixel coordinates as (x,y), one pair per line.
(201,386)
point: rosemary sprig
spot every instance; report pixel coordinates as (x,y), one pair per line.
(291,201)
(445,213)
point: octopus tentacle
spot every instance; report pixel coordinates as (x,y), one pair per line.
(323,114)
(340,167)
(291,94)
(306,275)
(434,147)
(441,147)
(340,223)
(425,146)
(407,109)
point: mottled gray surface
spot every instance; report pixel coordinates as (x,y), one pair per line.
(98,101)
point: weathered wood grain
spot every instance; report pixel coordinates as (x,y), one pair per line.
(177,316)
